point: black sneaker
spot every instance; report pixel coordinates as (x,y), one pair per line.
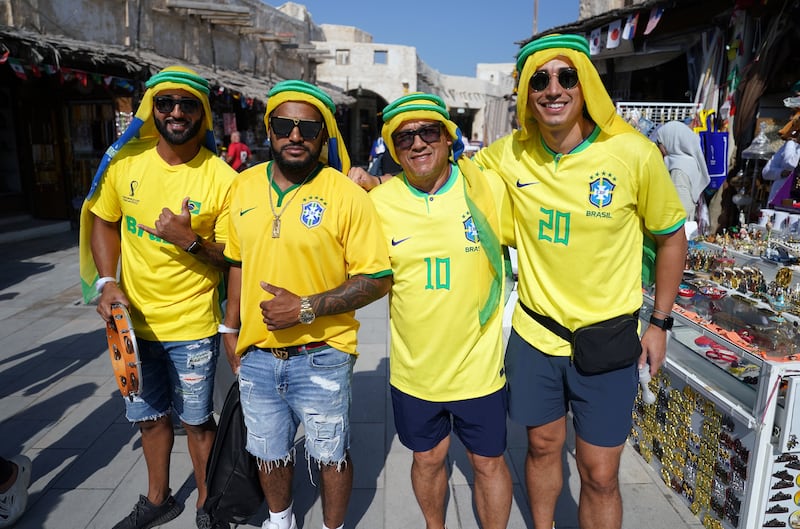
(783,475)
(146,515)
(785,458)
(780,496)
(775,523)
(206,521)
(777,509)
(794,465)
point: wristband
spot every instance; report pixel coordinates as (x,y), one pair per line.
(100,283)
(379,179)
(224,329)
(661,312)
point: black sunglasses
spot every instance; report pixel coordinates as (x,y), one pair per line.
(567,78)
(428,133)
(165,104)
(283,127)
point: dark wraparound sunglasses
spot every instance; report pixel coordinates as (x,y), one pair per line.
(283,127)
(404,140)
(165,104)
(567,78)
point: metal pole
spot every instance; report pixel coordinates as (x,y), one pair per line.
(535,17)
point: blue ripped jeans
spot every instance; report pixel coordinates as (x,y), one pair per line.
(277,395)
(178,376)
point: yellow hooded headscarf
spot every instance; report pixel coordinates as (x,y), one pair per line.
(575,48)
(477,192)
(141,128)
(335,155)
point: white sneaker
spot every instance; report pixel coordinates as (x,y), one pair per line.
(271,525)
(15,499)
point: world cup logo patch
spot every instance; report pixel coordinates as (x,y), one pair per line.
(601,192)
(470,231)
(311,214)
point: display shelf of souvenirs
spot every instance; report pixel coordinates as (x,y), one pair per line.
(772,246)
(712,432)
(702,453)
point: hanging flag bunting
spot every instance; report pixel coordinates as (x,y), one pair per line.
(66,75)
(594,42)
(107,80)
(630,27)
(36,71)
(82,78)
(49,69)
(655,17)
(4,56)
(19,70)
(124,84)
(614,34)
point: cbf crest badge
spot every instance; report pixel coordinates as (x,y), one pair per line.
(470,231)
(601,191)
(311,214)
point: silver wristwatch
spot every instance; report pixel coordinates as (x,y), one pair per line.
(307,315)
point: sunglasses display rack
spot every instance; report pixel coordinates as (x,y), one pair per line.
(724,431)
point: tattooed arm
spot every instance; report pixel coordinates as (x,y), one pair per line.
(283,310)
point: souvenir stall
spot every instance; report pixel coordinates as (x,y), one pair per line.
(724,430)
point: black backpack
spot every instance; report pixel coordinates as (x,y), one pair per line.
(234,491)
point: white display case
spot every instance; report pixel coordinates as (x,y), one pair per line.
(724,432)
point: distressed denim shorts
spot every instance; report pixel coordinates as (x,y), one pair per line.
(278,395)
(176,375)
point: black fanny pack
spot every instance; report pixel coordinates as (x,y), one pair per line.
(600,347)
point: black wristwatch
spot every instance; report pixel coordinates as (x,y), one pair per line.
(665,324)
(196,246)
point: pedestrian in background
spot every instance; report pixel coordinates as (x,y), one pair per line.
(680,147)
(238,154)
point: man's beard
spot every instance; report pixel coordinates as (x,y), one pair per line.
(178,138)
(294,166)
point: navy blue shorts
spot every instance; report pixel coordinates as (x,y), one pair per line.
(480,423)
(542,387)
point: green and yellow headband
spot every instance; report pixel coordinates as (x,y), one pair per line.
(556,40)
(418,105)
(575,49)
(295,90)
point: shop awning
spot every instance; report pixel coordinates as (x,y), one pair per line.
(32,49)
(679,28)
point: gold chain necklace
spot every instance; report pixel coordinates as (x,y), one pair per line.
(276,216)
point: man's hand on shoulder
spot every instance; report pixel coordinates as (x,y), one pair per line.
(361,177)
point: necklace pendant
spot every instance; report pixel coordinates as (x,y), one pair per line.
(276,227)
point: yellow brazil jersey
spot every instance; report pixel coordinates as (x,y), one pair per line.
(329,232)
(174,296)
(439,352)
(578,226)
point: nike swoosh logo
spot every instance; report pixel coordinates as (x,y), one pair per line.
(524,184)
(395,243)
(243,211)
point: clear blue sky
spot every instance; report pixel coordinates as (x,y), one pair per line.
(451,37)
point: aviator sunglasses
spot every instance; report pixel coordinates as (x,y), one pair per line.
(428,133)
(165,104)
(283,127)
(567,78)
